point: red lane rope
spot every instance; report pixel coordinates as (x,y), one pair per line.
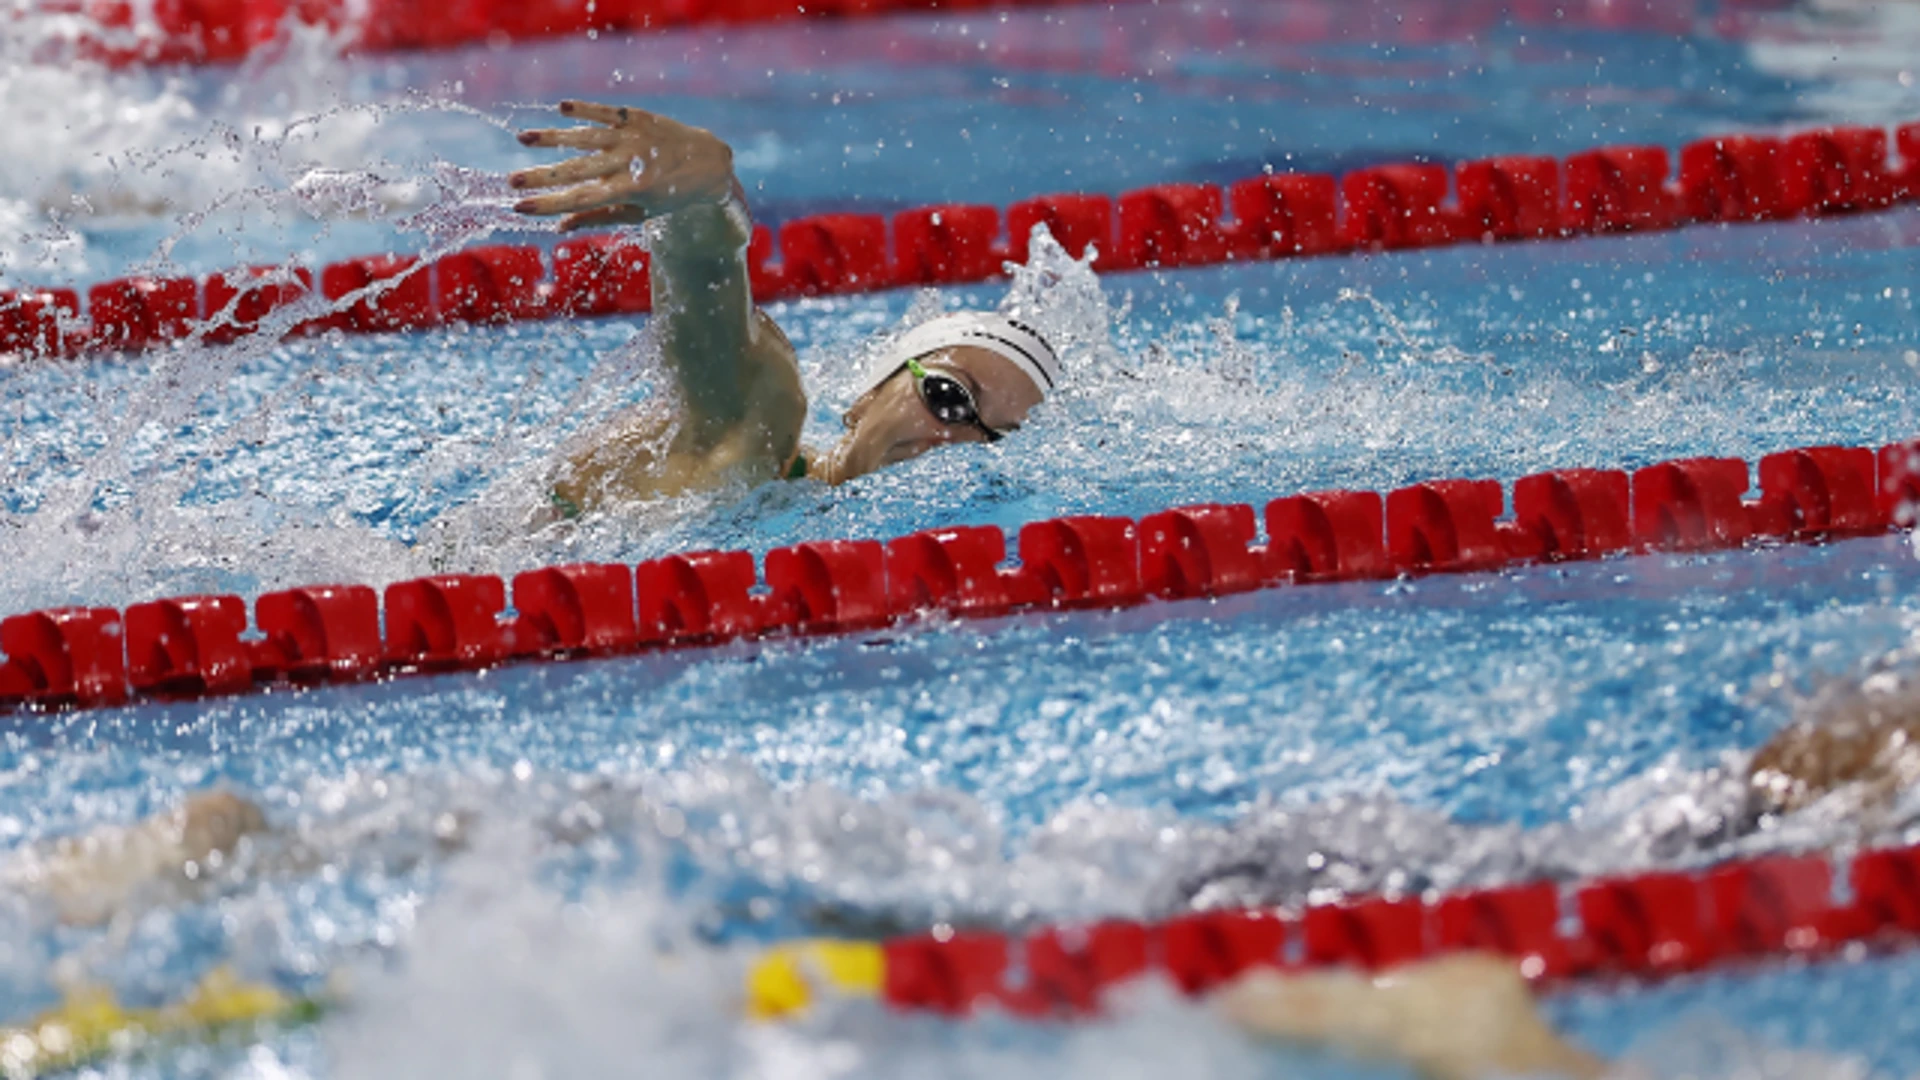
(202,646)
(225,31)
(1639,925)
(1735,178)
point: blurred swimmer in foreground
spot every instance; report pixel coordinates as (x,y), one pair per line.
(1472,1015)
(1862,736)
(89,879)
(739,407)
(1452,1018)
(1457,1017)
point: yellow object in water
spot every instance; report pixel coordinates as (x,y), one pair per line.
(90,1024)
(786,980)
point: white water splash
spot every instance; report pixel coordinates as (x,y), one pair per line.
(87,139)
(500,976)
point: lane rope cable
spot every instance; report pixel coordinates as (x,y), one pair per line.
(1610,190)
(206,646)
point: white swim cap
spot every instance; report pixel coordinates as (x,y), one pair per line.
(996,333)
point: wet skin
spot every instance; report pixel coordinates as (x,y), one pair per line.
(890,423)
(738,405)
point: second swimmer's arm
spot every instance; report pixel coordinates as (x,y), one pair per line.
(1463,1017)
(1848,734)
(89,879)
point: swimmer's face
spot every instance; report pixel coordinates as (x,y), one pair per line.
(890,423)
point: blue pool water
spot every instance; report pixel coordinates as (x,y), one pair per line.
(498,860)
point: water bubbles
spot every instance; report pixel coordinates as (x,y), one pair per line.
(559,824)
(330,193)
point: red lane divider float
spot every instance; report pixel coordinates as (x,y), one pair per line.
(202,645)
(1736,178)
(224,31)
(221,31)
(1639,925)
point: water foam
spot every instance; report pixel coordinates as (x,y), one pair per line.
(525,924)
(502,973)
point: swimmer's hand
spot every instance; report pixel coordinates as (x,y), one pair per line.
(1467,1016)
(641,166)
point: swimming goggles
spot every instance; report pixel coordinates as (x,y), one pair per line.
(949,400)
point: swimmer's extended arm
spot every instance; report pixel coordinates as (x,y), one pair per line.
(1467,1016)
(91,878)
(735,371)
(1463,1017)
(1866,735)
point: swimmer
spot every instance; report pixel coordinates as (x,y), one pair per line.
(1862,735)
(1459,1017)
(88,879)
(739,405)
(1472,1015)
(1455,1017)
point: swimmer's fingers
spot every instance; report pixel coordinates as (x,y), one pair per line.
(604,217)
(590,196)
(645,161)
(580,138)
(591,167)
(610,115)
